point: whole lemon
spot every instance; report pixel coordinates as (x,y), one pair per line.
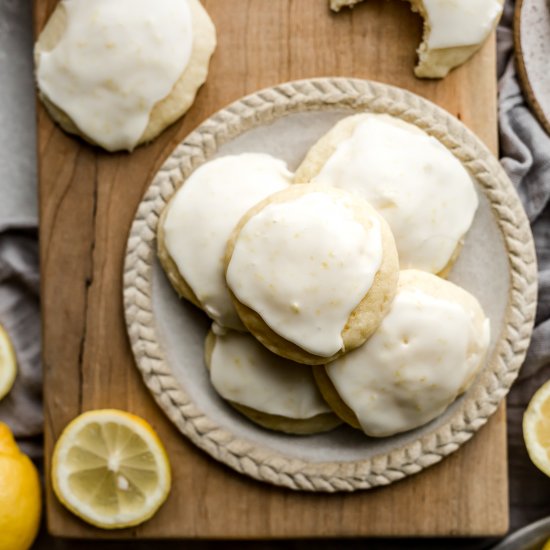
(20,502)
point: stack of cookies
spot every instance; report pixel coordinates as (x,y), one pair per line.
(326,287)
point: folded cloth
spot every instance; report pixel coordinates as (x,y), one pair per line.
(19,279)
(21,409)
(525,155)
(17,116)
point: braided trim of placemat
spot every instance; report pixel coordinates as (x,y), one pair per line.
(481,401)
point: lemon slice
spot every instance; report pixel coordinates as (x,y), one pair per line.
(8,363)
(110,469)
(536,428)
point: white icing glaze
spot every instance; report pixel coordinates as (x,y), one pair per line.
(204,212)
(420,188)
(114,62)
(421,357)
(244,372)
(456,23)
(304,265)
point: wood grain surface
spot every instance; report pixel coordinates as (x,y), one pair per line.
(87,202)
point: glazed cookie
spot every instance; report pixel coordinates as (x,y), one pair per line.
(271,391)
(419,187)
(118,73)
(312,270)
(453,31)
(426,352)
(197,222)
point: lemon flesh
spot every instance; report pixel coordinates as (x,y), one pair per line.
(536,428)
(110,469)
(8,363)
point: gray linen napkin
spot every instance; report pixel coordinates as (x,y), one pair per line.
(525,155)
(17,116)
(19,278)
(525,151)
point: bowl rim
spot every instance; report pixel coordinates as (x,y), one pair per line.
(533,533)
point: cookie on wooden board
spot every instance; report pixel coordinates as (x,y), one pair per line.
(118,73)
(453,31)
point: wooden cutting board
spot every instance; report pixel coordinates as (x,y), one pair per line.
(87,202)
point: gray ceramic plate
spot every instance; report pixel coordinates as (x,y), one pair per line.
(167,335)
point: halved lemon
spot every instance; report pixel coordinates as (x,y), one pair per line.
(110,468)
(536,428)
(8,363)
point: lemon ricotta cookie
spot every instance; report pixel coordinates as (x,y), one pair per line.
(426,352)
(419,187)
(118,73)
(197,222)
(270,390)
(312,271)
(453,31)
